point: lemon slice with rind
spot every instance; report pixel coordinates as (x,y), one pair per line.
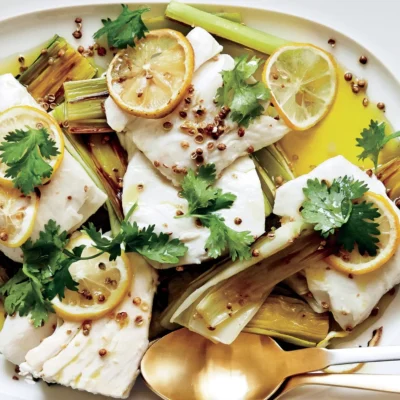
(21,117)
(103,284)
(151,79)
(303,82)
(17,216)
(389,240)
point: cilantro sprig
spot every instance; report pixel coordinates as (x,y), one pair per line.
(241,93)
(334,210)
(44,275)
(123,31)
(26,154)
(143,241)
(203,202)
(372,141)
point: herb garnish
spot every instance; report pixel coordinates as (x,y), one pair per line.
(204,200)
(372,140)
(243,97)
(123,31)
(333,210)
(44,275)
(135,240)
(26,154)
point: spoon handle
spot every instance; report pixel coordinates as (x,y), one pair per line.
(363,354)
(379,383)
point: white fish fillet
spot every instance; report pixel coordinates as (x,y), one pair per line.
(18,336)
(350,300)
(158,203)
(175,147)
(12,93)
(70,358)
(204,48)
(69,180)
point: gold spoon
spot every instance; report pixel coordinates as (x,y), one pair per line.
(186,366)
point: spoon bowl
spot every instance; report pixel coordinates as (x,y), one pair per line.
(186,366)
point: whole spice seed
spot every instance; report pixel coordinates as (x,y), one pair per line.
(278,180)
(199,139)
(238,220)
(139,320)
(241,132)
(43,51)
(255,253)
(221,147)
(185,145)
(121,316)
(3,236)
(348,76)
(102,352)
(101,298)
(77,34)
(156,164)
(81,49)
(365,102)
(355,88)
(362,83)
(183,114)
(179,213)
(137,301)
(250,149)
(78,20)
(363,59)
(101,51)
(61,53)
(332,42)
(381,106)
(210,146)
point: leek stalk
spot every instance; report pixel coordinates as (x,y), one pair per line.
(161,22)
(254,284)
(105,159)
(58,64)
(236,32)
(291,320)
(389,174)
(84,106)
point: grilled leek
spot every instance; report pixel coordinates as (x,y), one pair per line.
(291,320)
(57,63)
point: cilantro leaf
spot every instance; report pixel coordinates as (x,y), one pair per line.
(142,241)
(334,210)
(203,201)
(25,153)
(201,196)
(243,97)
(222,237)
(350,188)
(327,209)
(44,275)
(372,141)
(360,229)
(123,31)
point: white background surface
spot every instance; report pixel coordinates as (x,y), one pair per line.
(373,23)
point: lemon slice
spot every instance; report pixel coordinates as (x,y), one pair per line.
(389,240)
(21,117)
(17,216)
(103,284)
(303,80)
(152,78)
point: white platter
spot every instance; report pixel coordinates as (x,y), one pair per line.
(22,33)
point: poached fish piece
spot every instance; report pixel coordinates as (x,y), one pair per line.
(197,124)
(159,204)
(350,299)
(101,356)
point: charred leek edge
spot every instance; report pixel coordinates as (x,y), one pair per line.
(84,106)
(290,319)
(61,62)
(389,174)
(236,32)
